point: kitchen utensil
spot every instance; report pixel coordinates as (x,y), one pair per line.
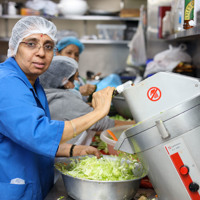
(121,106)
(83,189)
(166,137)
(105,137)
(112,135)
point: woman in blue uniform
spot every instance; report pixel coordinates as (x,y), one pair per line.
(29,139)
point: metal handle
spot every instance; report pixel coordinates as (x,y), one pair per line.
(162,129)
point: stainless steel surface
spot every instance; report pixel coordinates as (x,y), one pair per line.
(162,173)
(183,125)
(59,191)
(121,106)
(82,189)
(177,120)
(85,17)
(186,34)
(121,42)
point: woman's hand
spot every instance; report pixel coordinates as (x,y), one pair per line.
(79,150)
(101,100)
(87,89)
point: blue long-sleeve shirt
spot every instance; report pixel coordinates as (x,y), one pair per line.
(28,137)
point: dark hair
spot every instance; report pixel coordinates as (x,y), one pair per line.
(71,79)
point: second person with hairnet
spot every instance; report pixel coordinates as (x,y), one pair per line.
(65,103)
(71,47)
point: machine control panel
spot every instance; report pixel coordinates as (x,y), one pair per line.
(185,167)
(184,170)
(194,187)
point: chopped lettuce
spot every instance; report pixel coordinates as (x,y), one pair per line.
(102,169)
(118,117)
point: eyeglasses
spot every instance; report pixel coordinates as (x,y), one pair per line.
(35,46)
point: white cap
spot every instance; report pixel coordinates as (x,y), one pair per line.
(27,26)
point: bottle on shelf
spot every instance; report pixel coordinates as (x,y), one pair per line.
(167,25)
(5,7)
(189,14)
(179,16)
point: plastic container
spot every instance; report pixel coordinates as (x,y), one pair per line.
(167,29)
(113,80)
(111,31)
(108,139)
(179,16)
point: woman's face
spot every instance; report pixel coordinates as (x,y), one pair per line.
(71,51)
(34,55)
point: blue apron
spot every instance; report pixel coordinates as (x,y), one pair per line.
(28,137)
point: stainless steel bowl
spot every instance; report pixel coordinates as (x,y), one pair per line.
(121,106)
(82,189)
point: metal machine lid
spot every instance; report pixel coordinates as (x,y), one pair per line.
(161,128)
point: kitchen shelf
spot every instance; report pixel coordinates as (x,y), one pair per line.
(84,41)
(4,39)
(82,17)
(105,41)
(77,17)
(186,34)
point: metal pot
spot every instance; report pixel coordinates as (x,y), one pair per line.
(121,106)
(83,189)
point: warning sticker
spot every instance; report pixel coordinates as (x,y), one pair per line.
(154,94)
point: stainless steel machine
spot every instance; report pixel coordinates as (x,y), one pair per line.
(166,137)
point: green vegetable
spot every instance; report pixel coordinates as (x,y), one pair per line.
(119,117)
(102,169)
(61,197)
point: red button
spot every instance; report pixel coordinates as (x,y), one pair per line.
(184,170)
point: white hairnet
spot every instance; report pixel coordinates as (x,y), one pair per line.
(27,26)
(61,67)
